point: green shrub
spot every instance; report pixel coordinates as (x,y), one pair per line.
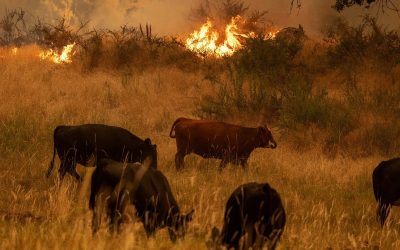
(301,107)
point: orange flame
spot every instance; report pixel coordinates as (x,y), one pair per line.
(14,51)
(63,57)
(205,40)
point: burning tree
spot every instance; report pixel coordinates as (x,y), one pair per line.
(226,27)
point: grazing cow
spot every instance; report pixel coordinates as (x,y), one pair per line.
(255,213)
(212,139)
(386,184)
(119,185)
(79,144)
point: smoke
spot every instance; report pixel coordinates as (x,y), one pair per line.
(172,16)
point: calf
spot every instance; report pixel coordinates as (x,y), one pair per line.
(386,185)
(78,144)
(255,213)
(212,139)
(119,185)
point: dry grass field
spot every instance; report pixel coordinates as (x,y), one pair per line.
(329,201)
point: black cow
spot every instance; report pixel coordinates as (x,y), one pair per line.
(116,185)
(255,212)
(386,184)
(79,144)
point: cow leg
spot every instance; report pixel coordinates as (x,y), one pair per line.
(179,161)
(63,169)
(172,235)
(243,163)
(273,238)
(122,204)
(148,220)
(72,172)
(100,203)
(383,211)
(68,164)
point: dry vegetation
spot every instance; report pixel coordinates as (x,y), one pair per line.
(333,106)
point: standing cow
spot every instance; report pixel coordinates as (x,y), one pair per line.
(79,144)
(255,214)
(220,140)
(386,184)
(116,185)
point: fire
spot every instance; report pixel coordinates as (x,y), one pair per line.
(63,57)
(14,51)
(206,40)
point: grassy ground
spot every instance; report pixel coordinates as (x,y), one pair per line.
(329,203)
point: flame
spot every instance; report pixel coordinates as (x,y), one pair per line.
(14,51)
(63,57)
(205,40)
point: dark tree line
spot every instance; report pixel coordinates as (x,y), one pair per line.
(340,5)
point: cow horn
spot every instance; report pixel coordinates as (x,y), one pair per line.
(147,141)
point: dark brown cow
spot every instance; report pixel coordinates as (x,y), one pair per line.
(254,212)
(115,185)
(386,184)
(220,140)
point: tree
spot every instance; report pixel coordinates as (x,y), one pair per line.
(340,5)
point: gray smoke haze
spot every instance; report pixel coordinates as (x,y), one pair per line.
(172,16)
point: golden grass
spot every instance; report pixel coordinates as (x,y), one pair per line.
(329,203)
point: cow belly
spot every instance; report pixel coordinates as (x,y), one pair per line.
(396,203)
(217,153)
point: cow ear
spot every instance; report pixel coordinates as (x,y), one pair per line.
(266,188)
(147,141)
(189,216)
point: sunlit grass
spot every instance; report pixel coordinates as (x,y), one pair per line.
(329,203)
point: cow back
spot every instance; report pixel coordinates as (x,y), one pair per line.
(209,138)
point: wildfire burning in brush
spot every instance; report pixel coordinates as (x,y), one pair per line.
(208,41)
(14,51)
(58,58)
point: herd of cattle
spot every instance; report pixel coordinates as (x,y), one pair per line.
(126,174)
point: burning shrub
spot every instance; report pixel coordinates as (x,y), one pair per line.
(57,36)
(254,77)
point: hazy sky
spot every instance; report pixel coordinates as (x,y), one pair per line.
(171,16)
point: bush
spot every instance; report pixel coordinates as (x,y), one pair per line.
(351,47)
(255,76)
(91,50)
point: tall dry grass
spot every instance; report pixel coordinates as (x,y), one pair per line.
(329,203)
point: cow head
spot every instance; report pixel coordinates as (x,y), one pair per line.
(179,225)
(266,139)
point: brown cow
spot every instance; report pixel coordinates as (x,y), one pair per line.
(220,140)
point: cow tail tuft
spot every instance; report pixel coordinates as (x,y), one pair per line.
(173,128)
(51,165)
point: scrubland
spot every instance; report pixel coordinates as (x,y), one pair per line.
(333,115)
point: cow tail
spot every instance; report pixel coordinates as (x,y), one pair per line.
(173,128)
(51,165)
